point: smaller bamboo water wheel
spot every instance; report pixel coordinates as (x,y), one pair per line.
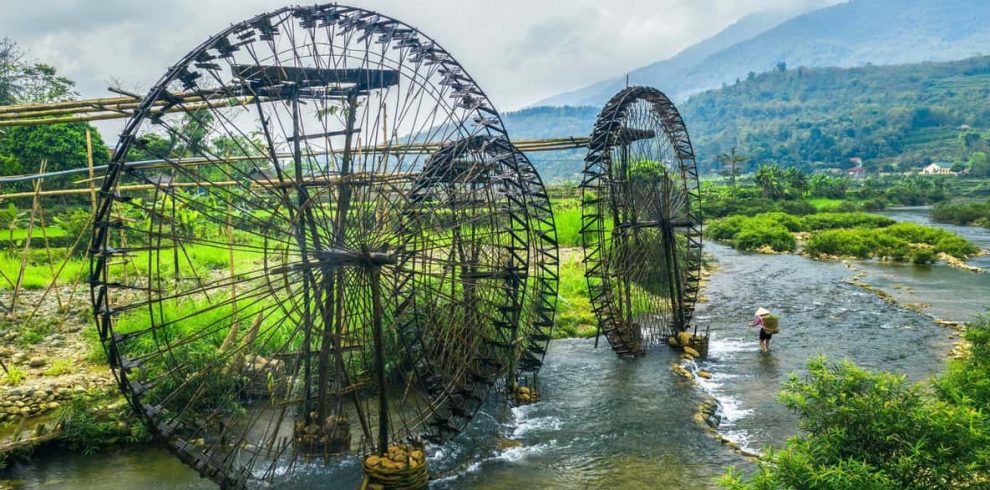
(641,221)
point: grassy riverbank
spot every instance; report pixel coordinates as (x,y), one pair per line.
(852,235)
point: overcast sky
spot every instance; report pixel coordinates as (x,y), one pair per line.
(520,51)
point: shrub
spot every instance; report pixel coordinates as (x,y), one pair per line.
(725,228)
(757,233)
(961,213)
(967,381)
(866,430)
(831,221)
(923,256)
(846,243)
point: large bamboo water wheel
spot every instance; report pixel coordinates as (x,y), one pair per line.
(337,251)
(641,221)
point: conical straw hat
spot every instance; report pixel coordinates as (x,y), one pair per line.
(761,311)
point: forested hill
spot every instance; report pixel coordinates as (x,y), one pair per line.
(849,34)
(907,115)
(895,116)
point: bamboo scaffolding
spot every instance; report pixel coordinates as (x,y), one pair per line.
(105,115)
(554,144)
(27,242)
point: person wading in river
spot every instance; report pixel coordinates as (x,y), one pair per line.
(767,328)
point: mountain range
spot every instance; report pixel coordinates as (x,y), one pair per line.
(858,33)
(854,33)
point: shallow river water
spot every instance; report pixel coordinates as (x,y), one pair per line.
(611,423)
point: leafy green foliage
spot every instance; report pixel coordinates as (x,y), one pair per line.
(966,213)
(967,381)
(752,233)
(898,242)
(721,201)
(62,145)
(866,430)
(91,421)
(860,235)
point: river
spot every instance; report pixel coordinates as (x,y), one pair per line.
(612,423)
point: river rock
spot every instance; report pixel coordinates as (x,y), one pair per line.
(37,362)
(19,358)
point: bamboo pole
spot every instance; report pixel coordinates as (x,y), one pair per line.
(104,101)
(524,145)
(38,121)
(89,163)
(27,242)
(235,326)
(51,265)
(65,261)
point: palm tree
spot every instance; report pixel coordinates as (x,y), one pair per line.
(730,165)
(769,178)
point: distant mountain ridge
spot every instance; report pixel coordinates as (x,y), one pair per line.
(746,28)
(856,33)
(891,118)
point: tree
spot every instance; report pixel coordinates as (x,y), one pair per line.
(797,181)
(821,185)
(971,141)
(23,81)
(979,164)
(770,179)
(730,163)
(22,148)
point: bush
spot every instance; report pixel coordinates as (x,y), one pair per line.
(831,221)
(962,213)
(942,241)
(756,234)
(866,430)
(845,243)
(725,228)
(967,381)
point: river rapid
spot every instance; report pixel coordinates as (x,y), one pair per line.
(606,422)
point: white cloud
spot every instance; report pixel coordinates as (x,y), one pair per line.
(520,51)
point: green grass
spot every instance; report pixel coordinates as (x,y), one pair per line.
(567,217)
(825,204)
(38,273)
(574,316)
(60,367)
(15,376)
(36,234)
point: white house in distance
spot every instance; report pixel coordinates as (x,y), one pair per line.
(936,169)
